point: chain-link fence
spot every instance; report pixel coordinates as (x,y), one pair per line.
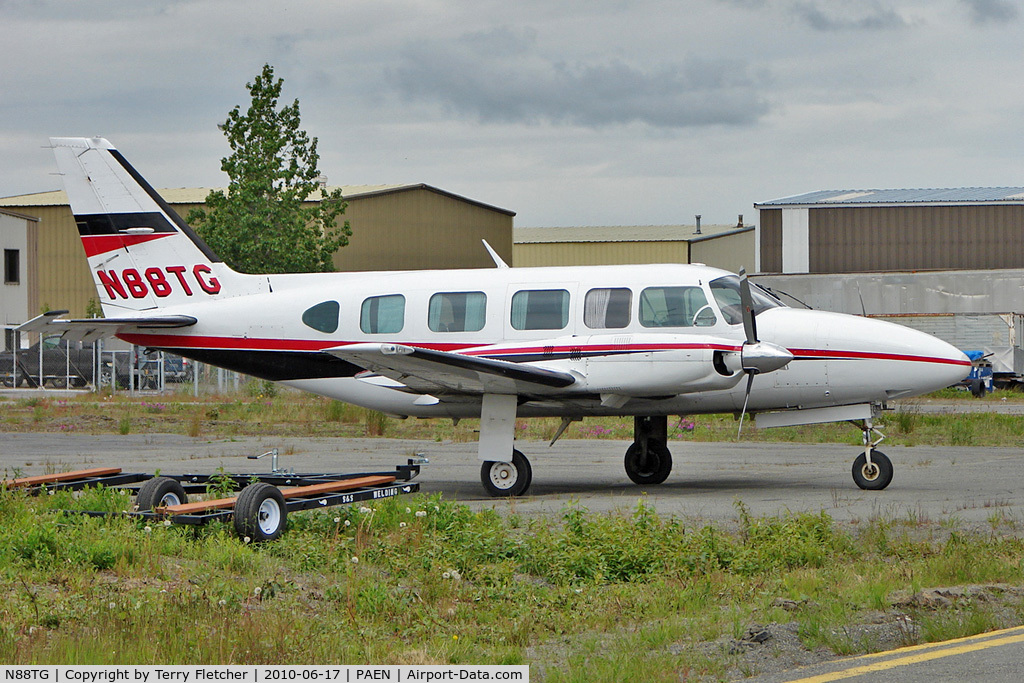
(54,363)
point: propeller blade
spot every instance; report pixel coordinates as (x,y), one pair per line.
(747,302)
(746,397)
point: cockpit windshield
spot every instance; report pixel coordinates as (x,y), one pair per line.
(726,291)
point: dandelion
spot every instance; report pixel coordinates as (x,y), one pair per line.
(222,602)
(167,522)
(408,511)
(257,591)
(348,522)
(365,510)
(402,525)
(337,520)
(112,605)
(355,560)
(456,576)
(446,575)
(148,529)
(421,513)
(247,540)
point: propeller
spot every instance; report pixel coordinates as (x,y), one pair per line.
(757,356)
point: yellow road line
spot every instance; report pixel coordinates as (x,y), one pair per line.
(937,651)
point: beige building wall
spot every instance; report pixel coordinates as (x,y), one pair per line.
(411,228)
(730,252)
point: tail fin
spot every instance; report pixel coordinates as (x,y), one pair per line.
(141,253)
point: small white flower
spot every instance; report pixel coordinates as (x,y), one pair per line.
(167,522)
(222,602)
(421,513)
(112,605)
(348,522)
(337,519)
(247,540)
(402,525)
(257,590)
(456,576)
(148,529)
(355,560)
(365,510)
(446,575)
(437,508)
(408,511)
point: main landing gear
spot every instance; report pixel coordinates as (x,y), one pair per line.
(648,460)
(872,470)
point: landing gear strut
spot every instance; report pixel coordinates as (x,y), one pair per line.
(648,460)
(872,470)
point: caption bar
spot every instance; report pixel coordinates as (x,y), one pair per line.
(263,674)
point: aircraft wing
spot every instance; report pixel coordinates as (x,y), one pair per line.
(440,372)
(91,329)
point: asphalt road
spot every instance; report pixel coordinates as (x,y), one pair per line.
(930,483)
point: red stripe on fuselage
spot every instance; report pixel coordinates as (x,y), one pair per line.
(507,353)
(96,245)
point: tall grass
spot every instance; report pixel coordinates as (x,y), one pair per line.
(421,580)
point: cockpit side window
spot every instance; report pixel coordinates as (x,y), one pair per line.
(726,291)
(676,307)
(322,317)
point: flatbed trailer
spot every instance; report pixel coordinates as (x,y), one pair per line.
(260,509)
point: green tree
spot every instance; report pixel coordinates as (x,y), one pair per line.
(274,217)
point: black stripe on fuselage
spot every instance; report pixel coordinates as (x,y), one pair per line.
(278,366)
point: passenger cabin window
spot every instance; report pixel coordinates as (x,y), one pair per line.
(726,291)
(323,317)
(382,314)
(675,307)
(540,309)
(607,308)
(457,312)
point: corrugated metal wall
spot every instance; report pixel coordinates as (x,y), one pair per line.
(63,279)
(529,254)
(770,235)
(864,239)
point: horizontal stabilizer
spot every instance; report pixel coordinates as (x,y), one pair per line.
(91,329)
(439,372)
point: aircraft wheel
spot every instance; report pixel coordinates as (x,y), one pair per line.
(877,476)
(507,478)
(160,492)
(260,512)
(658,463)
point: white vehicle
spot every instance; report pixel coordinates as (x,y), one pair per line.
(646,341)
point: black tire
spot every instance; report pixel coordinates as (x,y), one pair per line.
(876,477)
(503,479)
(160,492)
(657,467)
(260,512)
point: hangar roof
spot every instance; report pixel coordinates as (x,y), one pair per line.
(934,196)
(623,233)
(197,195)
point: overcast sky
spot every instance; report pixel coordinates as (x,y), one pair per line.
(605,112)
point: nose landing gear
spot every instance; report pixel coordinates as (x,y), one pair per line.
(872,470)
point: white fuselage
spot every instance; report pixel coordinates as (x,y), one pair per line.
(642,364)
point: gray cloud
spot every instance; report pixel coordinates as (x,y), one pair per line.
(825,15)
(498,76)
(991,11)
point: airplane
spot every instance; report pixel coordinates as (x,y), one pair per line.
(646,341)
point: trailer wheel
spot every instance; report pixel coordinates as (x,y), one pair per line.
(260,512)
(160,492)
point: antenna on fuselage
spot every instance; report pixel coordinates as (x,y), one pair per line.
(498,262)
